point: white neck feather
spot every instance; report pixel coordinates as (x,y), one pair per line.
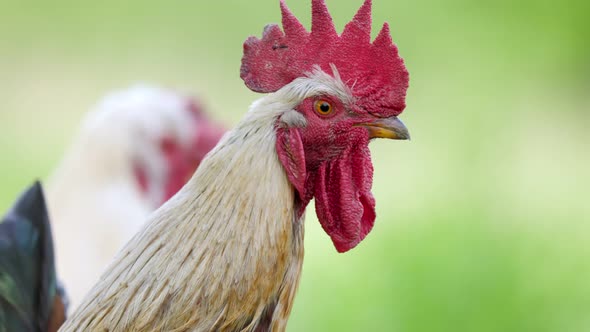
(216,249)
(225,253)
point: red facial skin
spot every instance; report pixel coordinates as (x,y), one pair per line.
(181,163)
(329,159)
(179,167)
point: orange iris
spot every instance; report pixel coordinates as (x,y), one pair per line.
(323,107)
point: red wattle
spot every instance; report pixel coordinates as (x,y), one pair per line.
(344,203)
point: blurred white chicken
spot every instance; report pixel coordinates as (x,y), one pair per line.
(133,152)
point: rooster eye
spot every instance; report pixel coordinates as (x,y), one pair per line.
(323,107)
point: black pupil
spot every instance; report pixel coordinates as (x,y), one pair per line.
(325,107)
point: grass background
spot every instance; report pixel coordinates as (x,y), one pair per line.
(482,218)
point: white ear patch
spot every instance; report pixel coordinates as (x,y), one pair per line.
(293,119)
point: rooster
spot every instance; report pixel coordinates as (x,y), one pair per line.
(30,297)
(225,253)
(134,151)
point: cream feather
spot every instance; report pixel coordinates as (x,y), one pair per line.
(225,253)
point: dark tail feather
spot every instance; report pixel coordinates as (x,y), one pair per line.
(28,282)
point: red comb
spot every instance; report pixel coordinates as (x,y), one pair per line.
(374,71)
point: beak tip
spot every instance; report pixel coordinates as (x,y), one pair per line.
(406,135)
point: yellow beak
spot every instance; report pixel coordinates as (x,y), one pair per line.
(391,128)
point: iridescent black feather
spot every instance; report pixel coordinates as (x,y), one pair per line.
(28,283)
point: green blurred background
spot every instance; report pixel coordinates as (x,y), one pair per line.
(482,217)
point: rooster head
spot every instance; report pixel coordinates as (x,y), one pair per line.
(162,134)
(182,159)
(342,91)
